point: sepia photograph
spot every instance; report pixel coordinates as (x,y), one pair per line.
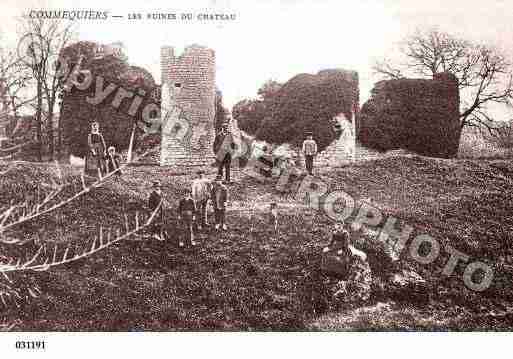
(281,167)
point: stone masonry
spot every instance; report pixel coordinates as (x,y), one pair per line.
(188,81)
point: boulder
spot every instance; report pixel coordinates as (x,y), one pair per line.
(407,285)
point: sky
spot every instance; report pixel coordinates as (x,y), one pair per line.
(279,39)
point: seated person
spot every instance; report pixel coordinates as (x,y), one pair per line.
(349,264)
(340,242)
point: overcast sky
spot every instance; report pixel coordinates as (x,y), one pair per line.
(279,39)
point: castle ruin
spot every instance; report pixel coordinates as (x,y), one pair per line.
(419,115)
(188,85)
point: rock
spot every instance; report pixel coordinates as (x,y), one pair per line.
(350,278)
(334,265)
(407,285)
(357,288)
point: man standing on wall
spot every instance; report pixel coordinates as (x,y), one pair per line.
(309,150)
(224,145)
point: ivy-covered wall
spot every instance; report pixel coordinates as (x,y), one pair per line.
(419,115)
(116,122)
(309,103)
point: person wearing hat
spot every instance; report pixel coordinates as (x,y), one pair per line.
(113,160)
(200,188)
(309,150)
(154,200)
(219,196)
(224,146)
(186,213)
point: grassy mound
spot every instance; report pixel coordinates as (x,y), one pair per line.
(462,204)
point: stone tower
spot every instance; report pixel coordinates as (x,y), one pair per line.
(188,96)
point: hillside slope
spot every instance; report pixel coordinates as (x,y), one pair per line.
(251,278)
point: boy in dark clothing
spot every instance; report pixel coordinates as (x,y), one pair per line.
(154,200)
(186,213)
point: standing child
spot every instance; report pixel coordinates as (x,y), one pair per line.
(219,199)
(186,213)
(154,200)
(200,193)
(274,215)
(310,151)
(113,161)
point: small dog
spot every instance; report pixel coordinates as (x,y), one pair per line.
(273,211)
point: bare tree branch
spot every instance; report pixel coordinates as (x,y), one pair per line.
(484,74)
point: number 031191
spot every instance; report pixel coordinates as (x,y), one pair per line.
(30,345)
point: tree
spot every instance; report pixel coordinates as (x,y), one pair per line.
(268,89)
(45,38)
(249,114)
(13,80)
(14,97)
(484,74)
(504,137)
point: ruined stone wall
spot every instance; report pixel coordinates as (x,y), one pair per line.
(419,115)
(188,81)
(309,103)
(116,119)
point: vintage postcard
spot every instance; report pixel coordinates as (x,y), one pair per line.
(261,166)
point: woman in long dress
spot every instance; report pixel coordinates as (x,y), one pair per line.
(97,151)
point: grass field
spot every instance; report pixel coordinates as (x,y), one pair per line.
(251,278)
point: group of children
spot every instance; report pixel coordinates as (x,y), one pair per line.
(192,208)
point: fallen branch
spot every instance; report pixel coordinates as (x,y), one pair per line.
(100,242)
